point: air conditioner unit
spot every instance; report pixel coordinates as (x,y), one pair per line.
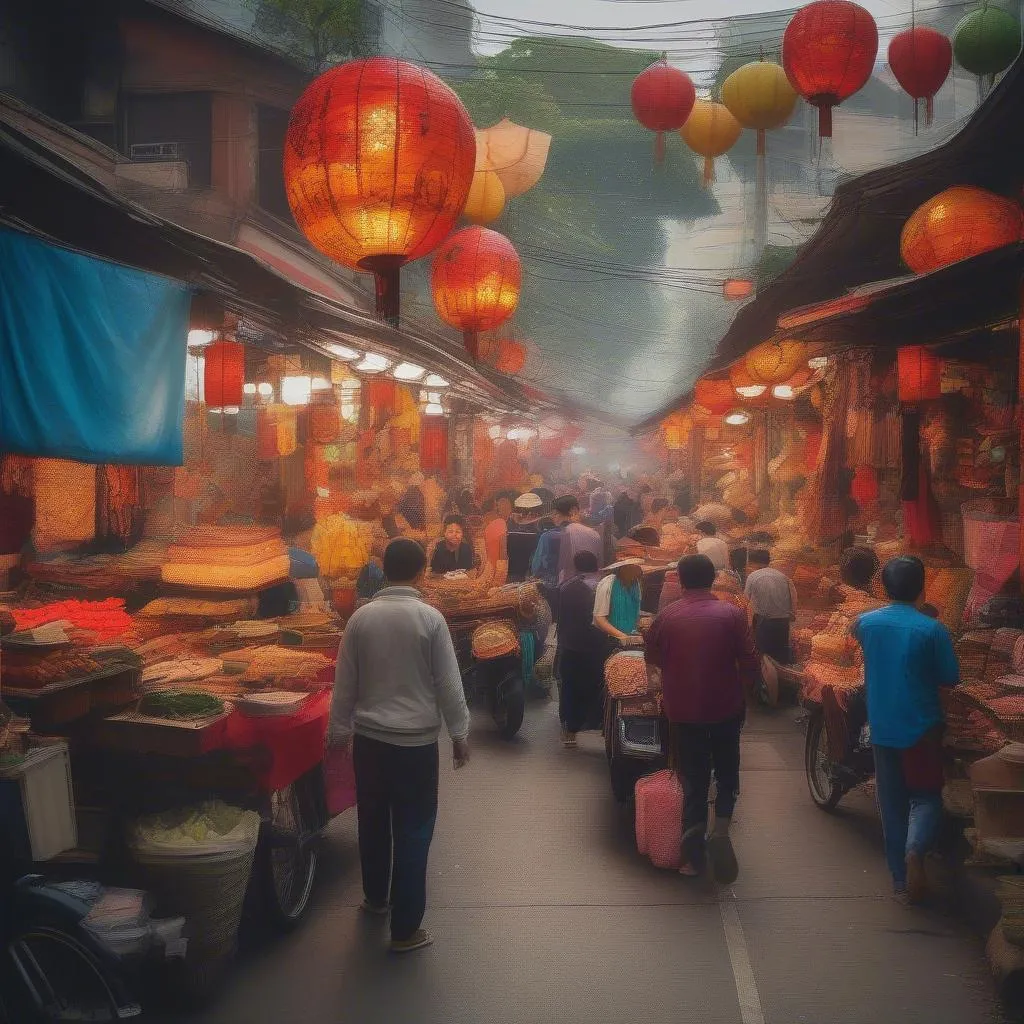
(155,151)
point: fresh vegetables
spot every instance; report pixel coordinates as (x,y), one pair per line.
(180,705)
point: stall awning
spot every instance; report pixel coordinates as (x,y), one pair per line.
(45,194)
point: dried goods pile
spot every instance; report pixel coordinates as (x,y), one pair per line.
(227,558)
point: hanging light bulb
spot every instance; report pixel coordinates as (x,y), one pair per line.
(784,392)
(342,352)
(296,390)
(408,371)
(738,418)
(373,363)
(248,389)
(265,390)
(751,390)
(434,409)
(434,380)
(320,384)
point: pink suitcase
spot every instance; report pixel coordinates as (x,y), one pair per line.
(659,818)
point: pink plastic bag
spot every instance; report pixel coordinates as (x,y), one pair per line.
(659,819)
(339,780)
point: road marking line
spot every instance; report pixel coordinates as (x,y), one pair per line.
(742,972)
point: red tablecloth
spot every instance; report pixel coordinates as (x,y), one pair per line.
(293,744)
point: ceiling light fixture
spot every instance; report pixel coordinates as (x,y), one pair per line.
(373,363)
(408,371)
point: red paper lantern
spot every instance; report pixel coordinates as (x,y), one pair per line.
(920,59)
(663,98)
(378,163)
(223,373)
(919,373)
(957,224)
(504,354)
(434,444)
(829,51)
(715,394)
(476,279)
(736,288)
(379,400)
(324,419)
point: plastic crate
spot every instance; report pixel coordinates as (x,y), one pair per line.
(37,809)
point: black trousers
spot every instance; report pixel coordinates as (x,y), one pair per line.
(771,637)
(582,679)
(396,793)
(698,750)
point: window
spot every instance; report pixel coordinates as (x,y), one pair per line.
(176,126)
(270,194)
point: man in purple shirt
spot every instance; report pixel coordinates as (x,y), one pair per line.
(575,537)
(706,654)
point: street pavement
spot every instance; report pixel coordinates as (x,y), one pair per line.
(542,910)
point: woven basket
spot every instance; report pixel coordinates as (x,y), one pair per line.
(625,674)
(208,890)
(495,640)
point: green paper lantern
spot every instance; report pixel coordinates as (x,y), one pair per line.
(987,41)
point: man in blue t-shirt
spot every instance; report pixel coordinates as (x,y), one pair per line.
(908,656)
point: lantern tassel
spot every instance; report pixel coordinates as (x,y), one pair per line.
(825,121)
(929,110)
(762,142)
(659,148)
(386,286)
(471,340)
(709,171)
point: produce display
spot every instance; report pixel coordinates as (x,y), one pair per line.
(340,547)
(625,674)
(227,558)
(223,611)
(33,671)
(180,705)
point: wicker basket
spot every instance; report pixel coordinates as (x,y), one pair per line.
(207,889)
(495,640)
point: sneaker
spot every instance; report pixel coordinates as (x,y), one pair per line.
(917,881)
(371,908)
(420,939)
(568,739)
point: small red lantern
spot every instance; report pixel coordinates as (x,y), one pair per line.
(504,354)
(919,373)
(736,288)
(380,400)
(714,394)
(920,59)
(223,374)
(378,163)
(663,98)
(475,280)
(829,51)
(434,444)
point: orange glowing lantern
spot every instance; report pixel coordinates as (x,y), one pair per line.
(223,373)
(675,431)
(744,384)
(378,163)
(957,224)
(919,373)
(517,155)
(774,362)
(714,394)
(504,354)
(486,200)
(734,289)
(380,400)
(476,279)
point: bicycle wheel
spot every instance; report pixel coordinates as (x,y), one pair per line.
(289,856)
(55,977)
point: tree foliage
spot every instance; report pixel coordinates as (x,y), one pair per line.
(317,32)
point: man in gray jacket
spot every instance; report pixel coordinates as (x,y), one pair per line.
(397,677)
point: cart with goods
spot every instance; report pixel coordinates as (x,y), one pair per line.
(635,730)
(494,640)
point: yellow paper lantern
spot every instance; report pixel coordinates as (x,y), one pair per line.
(760,97)
(710,131)
(774,362)
(486,200)
(516,154)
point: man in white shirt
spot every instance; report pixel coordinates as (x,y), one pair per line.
(397,677)
(712,545)
(772,598)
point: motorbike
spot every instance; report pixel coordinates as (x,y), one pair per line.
(494,678)
(53,968)
(837,750)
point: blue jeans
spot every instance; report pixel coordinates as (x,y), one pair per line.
(910,818)
(396,793)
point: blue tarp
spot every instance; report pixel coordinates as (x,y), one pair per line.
(92,357)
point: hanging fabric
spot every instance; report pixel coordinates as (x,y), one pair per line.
(92,357)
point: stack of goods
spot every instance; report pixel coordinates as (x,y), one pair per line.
(318,630)
(33,671)
(227,558)
(833,655)
(495,640)
(968,727)
(160,675)
(626,675)
(95,621)
(237,634)
(104,572)
(280,668)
